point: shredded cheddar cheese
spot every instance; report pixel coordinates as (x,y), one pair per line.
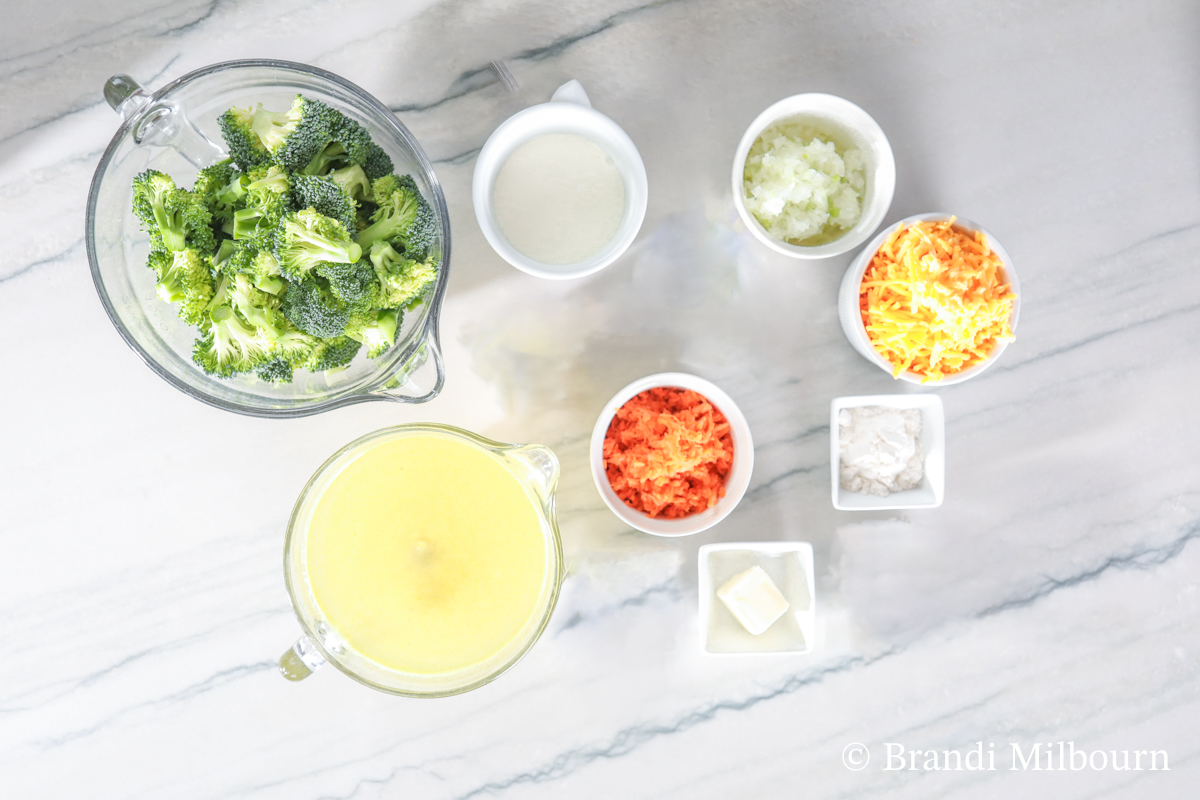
(934,300)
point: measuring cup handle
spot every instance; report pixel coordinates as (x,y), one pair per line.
(571,92)
(300,660)
(541,468)
(160,123)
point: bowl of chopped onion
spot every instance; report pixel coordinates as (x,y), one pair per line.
(671,454)
(813,176)
(933,299)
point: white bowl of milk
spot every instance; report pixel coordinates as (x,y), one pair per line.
(559,188)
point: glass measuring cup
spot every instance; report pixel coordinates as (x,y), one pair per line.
(174,130)
(535,469)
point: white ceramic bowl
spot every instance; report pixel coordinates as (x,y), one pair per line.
(735,482)
(851,316)
(569,111)
(847,122)
(789,566)
(932,489)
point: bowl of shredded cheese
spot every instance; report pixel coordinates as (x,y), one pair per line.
(671,454)
(933,299)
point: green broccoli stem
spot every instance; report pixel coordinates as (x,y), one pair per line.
(247,222)
(170,227)
(223,254)
(274,181)
(338,253)
(381,231)
(169,289)
(271,284)
(327,157)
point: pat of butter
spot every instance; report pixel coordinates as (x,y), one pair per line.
(751,596)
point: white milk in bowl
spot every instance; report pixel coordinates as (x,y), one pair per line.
(559,198)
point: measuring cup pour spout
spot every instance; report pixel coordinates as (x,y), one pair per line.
(571,92)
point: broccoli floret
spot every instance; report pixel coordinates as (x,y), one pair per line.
(325,197)
(306,239)
(244,329)
(360,150)
(263,182)
(257,307)
(230,345)
(175,218)
(354,181)
(377,163)
(245,148)
(258,264)
(333,353)
(183,278)
(349,145)
(388,184)
(297,347)
(266,201)
(220,188)
(294,136)
(402,216)
(422,233)
(375,329)
(300,351)
(354,284)
(401,280)
(314,309)
(352,136)
(277,370)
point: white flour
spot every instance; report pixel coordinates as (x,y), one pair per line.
(559,198)
(880,449)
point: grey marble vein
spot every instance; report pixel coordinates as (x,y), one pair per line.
(70,253)
(1143,556)
(215,681)
(630,739)
(668,590)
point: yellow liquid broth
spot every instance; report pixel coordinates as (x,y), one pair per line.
(426,555)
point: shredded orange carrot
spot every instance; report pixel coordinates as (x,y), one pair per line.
(934,300)
(667,452)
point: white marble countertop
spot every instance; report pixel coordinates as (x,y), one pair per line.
(1053,598)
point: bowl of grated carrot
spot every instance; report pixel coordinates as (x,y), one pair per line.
(932,299)
(671,454)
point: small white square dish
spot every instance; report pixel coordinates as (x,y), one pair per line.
(931,491)
(789,565)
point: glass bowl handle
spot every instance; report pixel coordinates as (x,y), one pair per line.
(300,660)
(160,122)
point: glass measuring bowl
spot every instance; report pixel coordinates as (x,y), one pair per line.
(533,466)
(174,130)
